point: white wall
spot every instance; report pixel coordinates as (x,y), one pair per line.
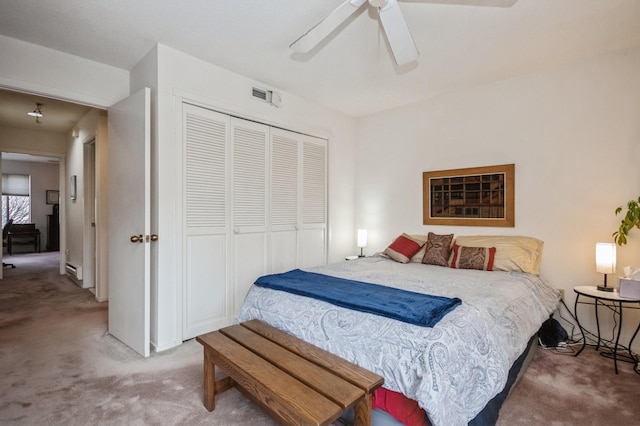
(184,77)
(44,176)
(25,141)
(573,133)
(37,69)
(70,78)
(102,208)
(88,129)
(74,208)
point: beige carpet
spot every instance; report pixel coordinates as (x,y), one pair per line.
(59,366)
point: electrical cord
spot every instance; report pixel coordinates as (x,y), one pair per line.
(607,346)
(573,323)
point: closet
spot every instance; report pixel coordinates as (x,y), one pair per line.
(254,203)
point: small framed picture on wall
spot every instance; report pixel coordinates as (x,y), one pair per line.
(53,196)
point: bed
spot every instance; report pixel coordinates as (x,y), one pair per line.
(452,369)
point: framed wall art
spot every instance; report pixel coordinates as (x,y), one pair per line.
(53,196)
(477,196)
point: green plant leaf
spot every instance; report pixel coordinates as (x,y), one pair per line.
(630,220)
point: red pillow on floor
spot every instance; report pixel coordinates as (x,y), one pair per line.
(400,407)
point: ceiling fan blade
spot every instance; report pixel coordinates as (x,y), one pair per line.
(315,35)
(484,3)
(398,34)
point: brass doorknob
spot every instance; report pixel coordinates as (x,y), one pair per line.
(154,237)
(137,239)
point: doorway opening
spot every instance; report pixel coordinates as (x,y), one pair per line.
(66,135)
(34,226)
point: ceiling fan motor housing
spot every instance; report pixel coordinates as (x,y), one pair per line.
(377,3)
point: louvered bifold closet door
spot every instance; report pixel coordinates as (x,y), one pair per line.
(207,291)
(284,199)
(250,179)
(313,235)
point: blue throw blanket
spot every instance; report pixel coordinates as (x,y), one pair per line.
(415,308)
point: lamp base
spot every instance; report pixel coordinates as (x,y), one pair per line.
(605,288)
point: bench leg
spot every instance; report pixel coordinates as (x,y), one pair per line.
(209,382)
(211,386)
(362,411)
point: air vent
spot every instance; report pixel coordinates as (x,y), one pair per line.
(74,272)
(260,94)
(267,96)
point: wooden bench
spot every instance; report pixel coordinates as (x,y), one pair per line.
(292,380)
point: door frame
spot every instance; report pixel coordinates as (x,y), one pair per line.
(89,254)
(102,267)
(62,171)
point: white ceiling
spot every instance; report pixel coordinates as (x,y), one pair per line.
(28,157)
(59,116)
(352,71)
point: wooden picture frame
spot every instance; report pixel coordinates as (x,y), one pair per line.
(53,196)
(477,196)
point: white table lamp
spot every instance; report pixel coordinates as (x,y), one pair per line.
(605,262)
(362,241)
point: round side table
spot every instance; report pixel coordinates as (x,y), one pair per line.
(617,304)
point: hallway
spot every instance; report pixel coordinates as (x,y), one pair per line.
(60,366)
(30,263)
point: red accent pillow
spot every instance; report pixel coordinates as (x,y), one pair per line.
(403,248)
(480,258)
(399,407)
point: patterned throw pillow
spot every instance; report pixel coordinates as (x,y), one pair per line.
(437,249)
(513,253)
(473,257)
(403,248)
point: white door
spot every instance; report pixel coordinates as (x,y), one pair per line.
(207,292)
(285,199)
(313,235)
(250,180)
(298,200)
(129,221)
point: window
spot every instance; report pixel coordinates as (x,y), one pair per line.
(16,198)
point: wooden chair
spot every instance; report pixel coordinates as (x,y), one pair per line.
(5,234)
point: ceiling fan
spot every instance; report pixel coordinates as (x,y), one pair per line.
(393,24)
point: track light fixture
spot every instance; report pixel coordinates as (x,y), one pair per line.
(37,113)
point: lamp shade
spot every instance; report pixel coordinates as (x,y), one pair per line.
(362,237)
(606,258)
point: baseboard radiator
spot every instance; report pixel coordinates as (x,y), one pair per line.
(74,273)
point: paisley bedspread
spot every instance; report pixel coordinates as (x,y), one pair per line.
(452,369)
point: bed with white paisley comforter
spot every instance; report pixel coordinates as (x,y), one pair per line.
(453,369)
